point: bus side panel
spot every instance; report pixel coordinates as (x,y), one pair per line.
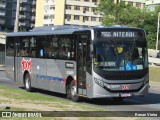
(89,85)
(58,71)
(26,64)
(18,70)
(34,72)
(9,67)
(41,72)
(52,72)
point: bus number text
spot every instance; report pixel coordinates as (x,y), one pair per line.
(26,65)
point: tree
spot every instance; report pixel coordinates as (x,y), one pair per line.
(127,15)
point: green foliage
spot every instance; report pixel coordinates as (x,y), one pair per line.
(121,14)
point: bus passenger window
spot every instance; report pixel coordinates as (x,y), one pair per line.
(24,47)
(66,48)
(40,47)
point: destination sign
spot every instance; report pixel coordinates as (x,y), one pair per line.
(123,34)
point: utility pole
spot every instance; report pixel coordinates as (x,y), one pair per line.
(16,24)
(157,31)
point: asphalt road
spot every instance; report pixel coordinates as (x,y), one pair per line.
(151,102)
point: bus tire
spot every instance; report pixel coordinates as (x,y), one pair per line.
(73,92)
(27,83)
(68,92)
(118,99)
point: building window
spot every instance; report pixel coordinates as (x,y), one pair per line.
(130,3)
(100,19)
(52,7)
(46,8)
(51,17)
(68,7)
(93,9)
(85,18)
(93,18)
(94,1)
(46,17)
(138,5)
(76,17)
(86,8)
(76,7)
(86,0)
(68,17)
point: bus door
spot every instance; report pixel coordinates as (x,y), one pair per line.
(16,59)
(81,66)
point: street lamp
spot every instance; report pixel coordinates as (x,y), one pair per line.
(157,31)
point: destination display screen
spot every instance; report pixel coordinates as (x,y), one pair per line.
(120,33)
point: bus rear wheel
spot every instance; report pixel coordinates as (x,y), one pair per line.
(73,92)
(27,83)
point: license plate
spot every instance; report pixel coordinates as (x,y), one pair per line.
(125,95)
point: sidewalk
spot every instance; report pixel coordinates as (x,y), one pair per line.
(2,68)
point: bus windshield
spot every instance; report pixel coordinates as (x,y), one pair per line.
(120,54)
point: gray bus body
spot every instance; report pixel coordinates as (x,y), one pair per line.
(91,78)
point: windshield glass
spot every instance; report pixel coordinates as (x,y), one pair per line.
(120,55)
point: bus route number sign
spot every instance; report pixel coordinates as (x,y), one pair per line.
(118,34)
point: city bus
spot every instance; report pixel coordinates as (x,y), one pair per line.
(96,62)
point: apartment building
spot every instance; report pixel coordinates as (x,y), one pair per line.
(4,13)
(8,13)
(67,12)
(151,4)
(73,12)
(136,3)
(27,13)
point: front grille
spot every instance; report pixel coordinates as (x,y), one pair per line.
(124,78)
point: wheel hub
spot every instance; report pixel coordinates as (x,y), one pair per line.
(27,83)
(73,91)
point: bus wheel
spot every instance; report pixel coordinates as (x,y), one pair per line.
(68,92)
(28,83)
(73,91)
(118,99)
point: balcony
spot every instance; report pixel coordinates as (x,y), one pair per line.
(33,18)
(22,16)
(2,13)
(25,2)
(2,22)
(81,3)
(24,24)
(2,5)
(23,8)
(83,22)
(33,10)
(33,2)
(32,25)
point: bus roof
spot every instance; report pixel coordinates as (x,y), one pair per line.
(40,33)
(57,30)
